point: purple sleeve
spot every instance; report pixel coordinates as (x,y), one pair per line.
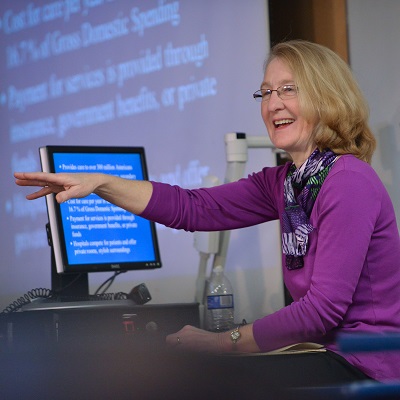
(342,248)
(234,205)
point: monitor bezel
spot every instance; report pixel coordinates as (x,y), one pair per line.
(56,231)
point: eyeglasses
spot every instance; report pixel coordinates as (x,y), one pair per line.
(284,92)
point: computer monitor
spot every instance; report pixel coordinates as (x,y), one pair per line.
(90,234)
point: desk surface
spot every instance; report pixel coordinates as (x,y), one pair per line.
(101,325)
(48,304)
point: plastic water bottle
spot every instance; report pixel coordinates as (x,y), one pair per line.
(219,302)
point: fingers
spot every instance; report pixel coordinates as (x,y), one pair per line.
(30,182)
(61,195)
(40,193)
(65,186)
(190,338)
(48,182)
(65,195)
(37,179)
(31,175)
(174,340)
(178,338)
(33,179)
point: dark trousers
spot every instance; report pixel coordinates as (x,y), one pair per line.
(305,370)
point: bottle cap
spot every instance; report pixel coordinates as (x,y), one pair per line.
(218,268)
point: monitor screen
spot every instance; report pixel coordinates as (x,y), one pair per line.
(91,234)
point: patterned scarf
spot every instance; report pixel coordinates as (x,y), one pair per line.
(300,191)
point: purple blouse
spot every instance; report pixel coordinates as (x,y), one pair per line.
(350,281)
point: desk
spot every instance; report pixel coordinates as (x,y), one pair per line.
(113,353)
(120,353)
(105,326)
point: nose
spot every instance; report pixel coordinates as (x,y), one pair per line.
(275,102)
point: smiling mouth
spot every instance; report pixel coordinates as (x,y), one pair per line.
(283,122)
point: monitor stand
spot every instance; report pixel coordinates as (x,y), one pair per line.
(68,285)
(70,291)
(74,284)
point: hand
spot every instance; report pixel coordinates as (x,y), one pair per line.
(66,186)
(195,339)
(131,195)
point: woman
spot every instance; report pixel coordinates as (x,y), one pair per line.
(340,241)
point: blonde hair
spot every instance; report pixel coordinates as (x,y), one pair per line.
(329,96)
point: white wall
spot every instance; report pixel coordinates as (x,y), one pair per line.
(374,43)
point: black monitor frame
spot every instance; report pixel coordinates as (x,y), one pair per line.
(71,277)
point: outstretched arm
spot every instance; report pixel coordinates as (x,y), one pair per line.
(132,196)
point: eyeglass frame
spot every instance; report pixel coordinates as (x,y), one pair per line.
(258,93)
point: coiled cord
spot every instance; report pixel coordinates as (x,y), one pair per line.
(111,296)
(49,294)
(27,298)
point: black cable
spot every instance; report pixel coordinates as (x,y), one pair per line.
(27,298)
(108,282)
(49,294)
